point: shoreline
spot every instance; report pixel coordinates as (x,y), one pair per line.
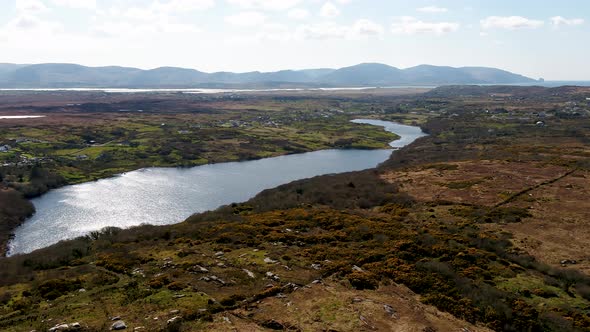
(6,238)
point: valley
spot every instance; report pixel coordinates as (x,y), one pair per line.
(478,226)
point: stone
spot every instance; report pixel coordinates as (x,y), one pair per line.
(174,320)
(389,310)
(59,327)
(269,260)
(249,273)
(118,325)
(356,269)
(201,269)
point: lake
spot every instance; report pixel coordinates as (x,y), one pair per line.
(8,117)
(161,196)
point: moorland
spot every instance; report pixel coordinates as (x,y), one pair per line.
(482,225)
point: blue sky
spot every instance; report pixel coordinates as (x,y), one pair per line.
(536,38)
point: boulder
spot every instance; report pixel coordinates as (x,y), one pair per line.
(118,325)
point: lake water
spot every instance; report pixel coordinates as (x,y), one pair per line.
(163,196)
(20,116)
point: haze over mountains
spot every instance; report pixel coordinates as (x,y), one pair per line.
(55,75)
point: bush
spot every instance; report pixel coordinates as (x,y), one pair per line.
(54,288)
(363,280)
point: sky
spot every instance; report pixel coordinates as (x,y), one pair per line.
(536,38)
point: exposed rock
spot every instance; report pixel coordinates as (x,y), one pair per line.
(389,310)
(216,279)
(219,254)
(356,269)
(272,276)
(118,325)
(269,260)
(174,320)
(174,312)
(249,273)
(59,327)
(316,266)
(199,268)
(116,318)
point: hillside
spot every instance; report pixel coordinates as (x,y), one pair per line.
(54,75)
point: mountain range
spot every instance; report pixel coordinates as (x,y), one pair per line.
(62,75)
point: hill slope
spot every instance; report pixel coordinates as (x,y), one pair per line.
(58,75)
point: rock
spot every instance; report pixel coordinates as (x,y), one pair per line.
(174,320)
(81,290)
(272,276)
(249,273)
(216,279)
(219,254)
(357,300)
(116,318)
(221,265)
(389,310)
(75,326)
(316,266)
(59,327)
(317,281)
(118,325)
(356,269)
(139,328)
(174,312)
(200,269)
(269,260)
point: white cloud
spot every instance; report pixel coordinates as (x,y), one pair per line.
(329,10)
(182,5)
(410,25)
(83,4)
(246,19)
(277,5)
(510,22)
(364,27)
(559,20)
(30,6)
(298,14)
(432,9)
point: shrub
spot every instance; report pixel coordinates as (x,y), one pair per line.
(363,280)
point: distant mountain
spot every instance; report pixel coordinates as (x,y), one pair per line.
(59,75)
